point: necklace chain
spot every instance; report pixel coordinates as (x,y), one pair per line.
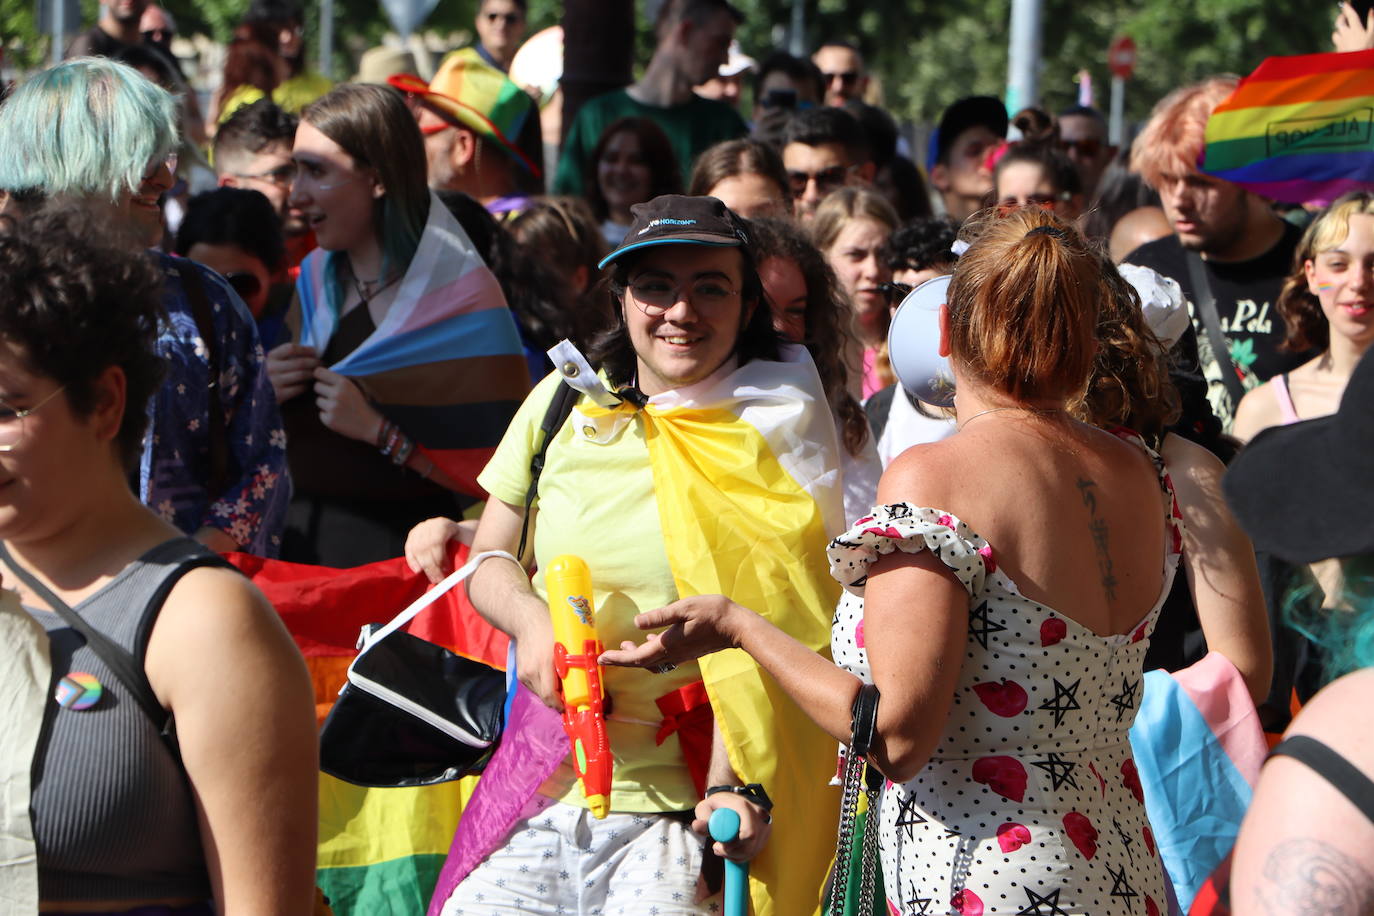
(379,284)
(1042,411)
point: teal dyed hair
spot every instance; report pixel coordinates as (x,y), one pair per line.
(373,125)
(1346,632)
(88,127)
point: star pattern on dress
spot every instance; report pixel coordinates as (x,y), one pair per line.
(1120,886)
(1126,699)
(909,816)
(1035,904)
(1126,839)
(980,626)
(1060,771)
(1064,701)
(917,905)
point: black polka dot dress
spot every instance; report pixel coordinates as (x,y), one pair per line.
(1030,803)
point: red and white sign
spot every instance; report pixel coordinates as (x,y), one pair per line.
(1121,57)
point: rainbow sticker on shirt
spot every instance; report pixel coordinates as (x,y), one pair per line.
(78,690)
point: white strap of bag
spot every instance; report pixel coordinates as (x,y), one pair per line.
(366,641)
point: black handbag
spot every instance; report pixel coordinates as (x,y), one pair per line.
(413,713)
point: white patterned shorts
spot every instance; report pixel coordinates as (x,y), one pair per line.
(561,861)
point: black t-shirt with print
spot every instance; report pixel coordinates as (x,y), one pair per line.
(1246,293)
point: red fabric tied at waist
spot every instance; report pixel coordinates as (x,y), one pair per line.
(687,712)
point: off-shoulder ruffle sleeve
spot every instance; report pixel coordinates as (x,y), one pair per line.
(911,529)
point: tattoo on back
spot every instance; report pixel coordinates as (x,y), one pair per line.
(1098,528)
(1307,877)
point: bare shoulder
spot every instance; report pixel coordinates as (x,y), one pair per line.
(923,474)
(1190,464)
(216,617)
(1258,410)
(1342,716)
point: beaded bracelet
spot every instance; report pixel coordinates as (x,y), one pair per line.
(403,450)
(384,431)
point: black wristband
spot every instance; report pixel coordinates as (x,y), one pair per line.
(752,792)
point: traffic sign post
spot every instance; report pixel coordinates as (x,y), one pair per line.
(1121,61)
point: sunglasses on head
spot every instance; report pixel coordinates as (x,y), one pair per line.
(1088,147)
(832,177)
(247,285)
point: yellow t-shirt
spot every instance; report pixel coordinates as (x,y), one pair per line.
(292,95)
(596,500)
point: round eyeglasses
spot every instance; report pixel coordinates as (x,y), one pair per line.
(654,295)
(12,421)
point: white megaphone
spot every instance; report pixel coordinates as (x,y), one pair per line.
(913,344)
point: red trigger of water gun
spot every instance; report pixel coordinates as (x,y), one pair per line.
(575,653)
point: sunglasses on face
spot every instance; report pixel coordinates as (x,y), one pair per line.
(1088,147)
(507,18)
(1010,204)
(245,284)
(847,77)
(826,179)
(895,292)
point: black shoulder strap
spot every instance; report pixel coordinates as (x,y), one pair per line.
(1207,310)
(564,397)
(205,324)
(119,660)
(1332,767)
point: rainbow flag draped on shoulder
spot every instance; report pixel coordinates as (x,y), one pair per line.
(1299,129)
(446,364)
(746,476)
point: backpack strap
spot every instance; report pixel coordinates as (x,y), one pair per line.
(1211,322)
(204,316)
(560,408)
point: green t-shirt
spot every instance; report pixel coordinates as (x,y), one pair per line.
(691,128)
(596,500)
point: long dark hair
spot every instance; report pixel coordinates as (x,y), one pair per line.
(654,146)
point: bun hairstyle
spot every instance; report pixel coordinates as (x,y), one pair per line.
(1023,306)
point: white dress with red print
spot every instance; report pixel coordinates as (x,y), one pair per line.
(1030,803)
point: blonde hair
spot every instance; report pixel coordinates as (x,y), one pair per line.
(847,204)
(1304,322)
(1173,139)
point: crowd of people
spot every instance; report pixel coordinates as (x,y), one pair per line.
(343,324)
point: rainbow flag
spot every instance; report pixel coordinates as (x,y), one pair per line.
(1298,129)
(380,850)
(446,364)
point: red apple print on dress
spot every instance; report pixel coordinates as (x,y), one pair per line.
(1007,699)
(888,532)
(859,635)
(1012,836)
(1004,775)
(892,909)
(945,520)
(1151,908)
(1131,780)
(989,563)
(967,903)
(1082,832)
(1149,838)
(865,520)
(1139,633)
(1052,631)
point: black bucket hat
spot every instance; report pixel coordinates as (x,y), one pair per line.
(1305,492)
(674,219)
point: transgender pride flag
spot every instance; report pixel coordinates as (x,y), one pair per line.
(446,364)
(1298,129)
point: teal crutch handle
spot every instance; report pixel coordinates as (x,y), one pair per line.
(724,828)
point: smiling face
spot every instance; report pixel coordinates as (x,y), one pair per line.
(785,287)
(857,258)
(335,197)
(141,210)
(1342,279)
(42,476)
(696,334)
(624,175)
